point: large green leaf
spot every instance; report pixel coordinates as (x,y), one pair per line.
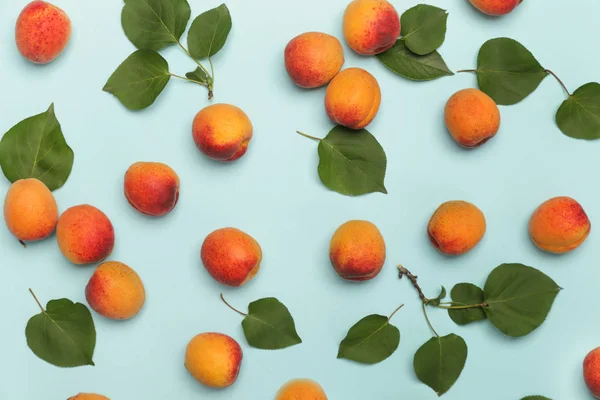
(209,32)
(579,115)
(400,60)
(269,325)
(519,298)
(352,162)
(36,148)
(424,28)
(507,71)
(439,362)
(370,340)
(155,24)
(139,80)
(63,335)
(466,294)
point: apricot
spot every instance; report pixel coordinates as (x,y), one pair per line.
(352,98)
(371,26)
(231,256)
(472,117)
(222,132)
(214,359)
(495,7)
(591,372)
(42,32)
(456,227)
(88,396)
(357,251)
(85,235)
(152,188)
(115,291)
(301,389)
(30,210)
(312,59)
(559,225)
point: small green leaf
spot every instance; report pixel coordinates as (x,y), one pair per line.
(209,32)
(269,325)
(155,24)
(36,148)
(519,298)
(535,398)
(63,335)
(507,71)
(199,75)
(439,362)
(437,300)
(370,340)
(466,294)
(352,162)
(424,28)
(405,63)
(579,115)
(139,80)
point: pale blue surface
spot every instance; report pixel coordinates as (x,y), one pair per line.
(274,194)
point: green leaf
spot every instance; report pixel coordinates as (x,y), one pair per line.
(63,334)
(535,398)
(370,340)
(439,362)
(269,325)
(424,28)
(519,298)
(155,24)
(579,115)
(199,75)
(507,71)
(437,300)
(139,80)
(405,63)
(352,162)
(466,294)
(36,148)
(209,32)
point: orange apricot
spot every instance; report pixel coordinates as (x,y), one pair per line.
(152,188)
(214,359)
(472,117)
(301,389)
(88,396)
(352,98)
(495,7)
(456,227)
(371,26)
(591,371)
(559,225)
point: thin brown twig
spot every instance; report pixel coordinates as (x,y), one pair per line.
(559,81)
(413,278)
(36,300)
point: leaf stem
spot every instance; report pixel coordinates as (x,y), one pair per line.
(188,79)
(212,71)
(395,311)
(308,136)
(413,278)
(467,70)
(428,321)
(482,305)
(230,306)
(559,81)
(209,86)
(36,300)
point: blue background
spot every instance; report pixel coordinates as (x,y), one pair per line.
(274,194)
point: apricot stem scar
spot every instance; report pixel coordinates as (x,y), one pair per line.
(316,139)
(36,300)
(559,81)
(230,306)
(395,311)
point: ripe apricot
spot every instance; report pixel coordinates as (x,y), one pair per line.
(472,117)
(152,188)
(85,235)
(115,291)
(214,359)
(88,396)
(357,251)
(559,225)
(222,132)
(312,59)
(456,227)
(371,26)
(230,256)
(591,371)
(352,98)
(495,7)
(30,210)
(42,32)
(301,389)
